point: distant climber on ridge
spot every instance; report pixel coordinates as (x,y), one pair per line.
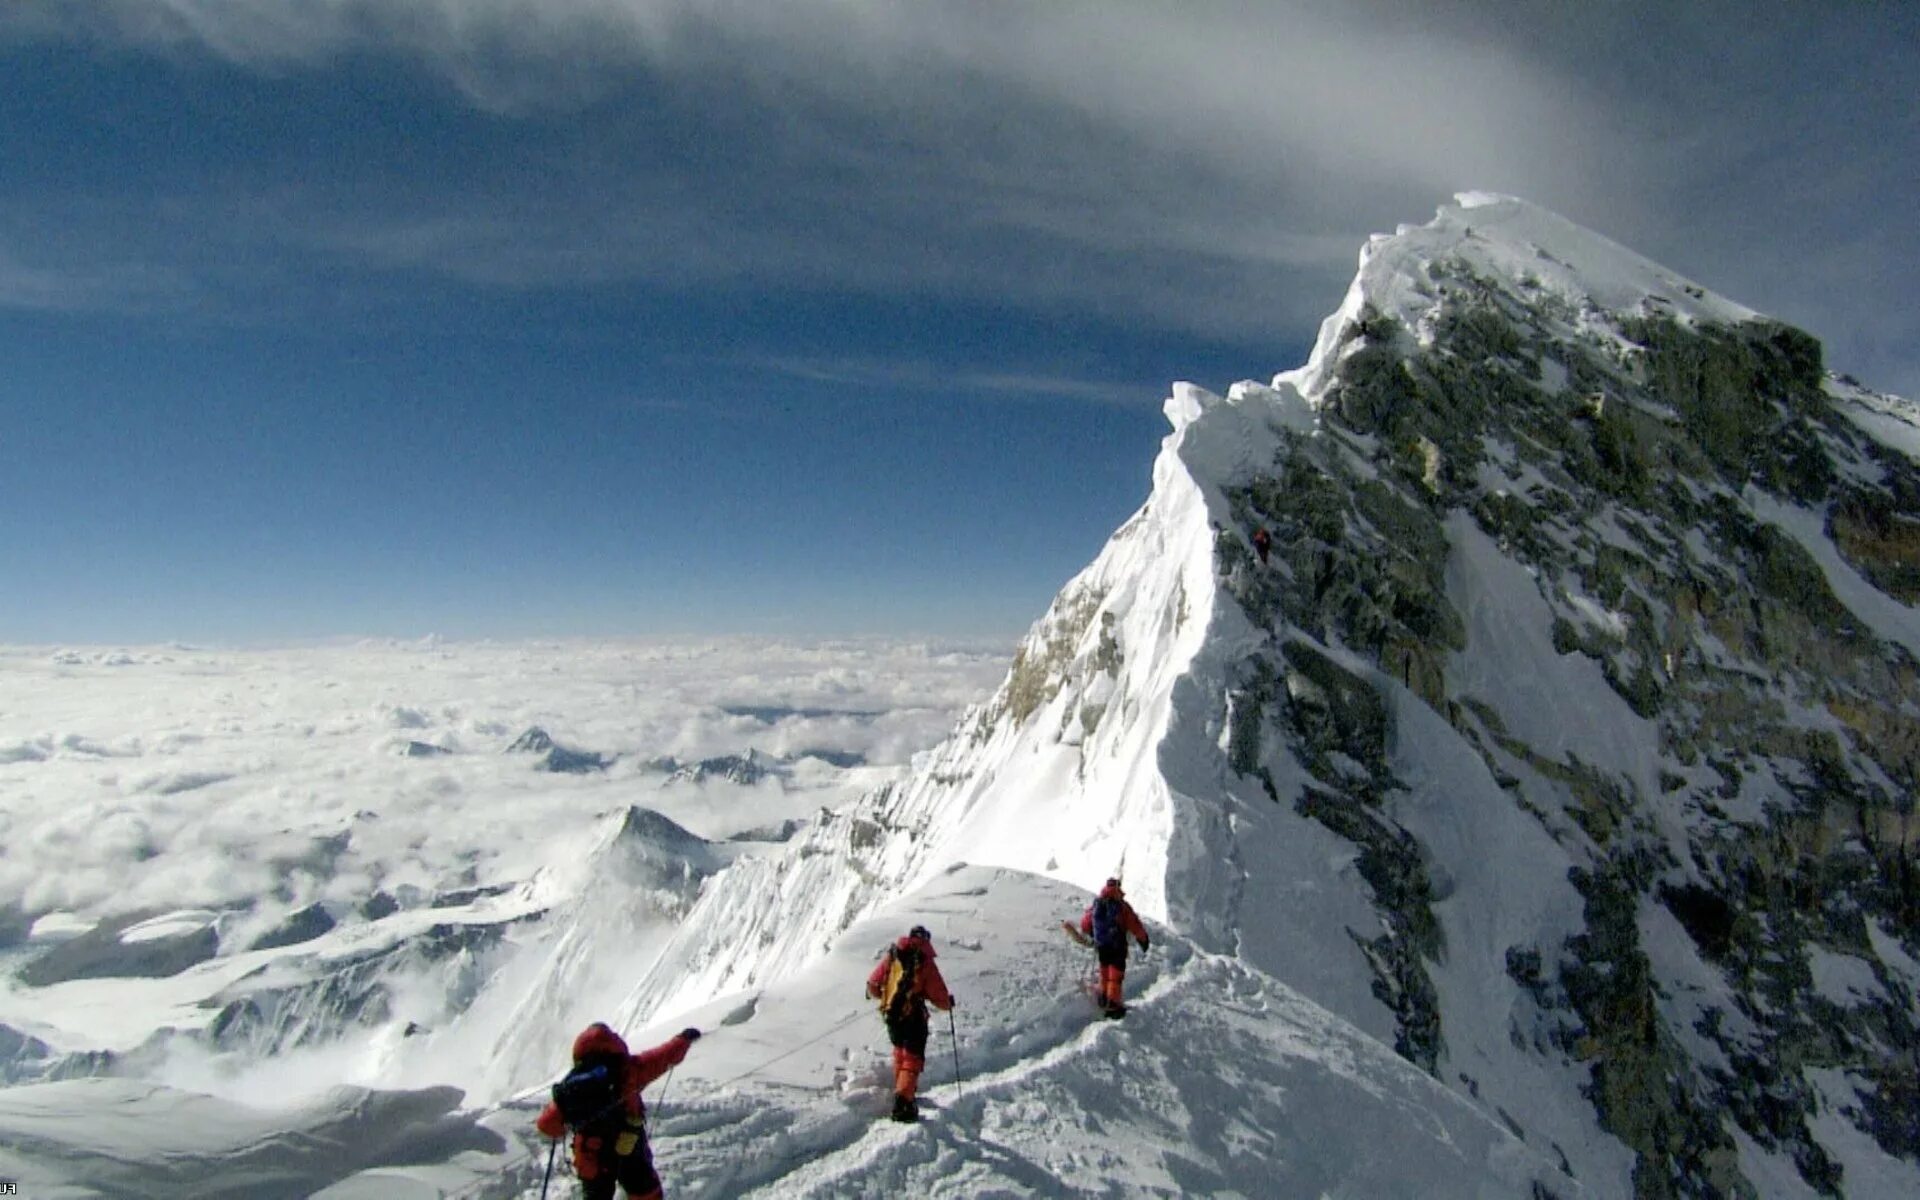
(1108,922)
(905,982)
(600,1101)
(1262,543)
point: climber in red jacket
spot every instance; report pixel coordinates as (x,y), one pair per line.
(905,982)
(609,1124)
(1108,922)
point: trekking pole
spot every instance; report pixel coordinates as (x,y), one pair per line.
(959,1089)
(548,1177)
(661,1099)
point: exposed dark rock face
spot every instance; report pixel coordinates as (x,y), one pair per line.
(748,769)
(1390,863)
(844,759)
(23,1057)
(303,926)
(782,832)
(654,856)
(101,954)
(563,760)
(460,897)
(1620,465)
(356,991)
(1879,532)
(744,769)
(1642,1085)
(534,741)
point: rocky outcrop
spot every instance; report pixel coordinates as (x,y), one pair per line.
(563,760)
(104,952)
(1632,462)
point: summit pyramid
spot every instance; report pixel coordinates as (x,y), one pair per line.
(1565,742)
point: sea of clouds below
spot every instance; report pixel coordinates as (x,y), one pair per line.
(179,778)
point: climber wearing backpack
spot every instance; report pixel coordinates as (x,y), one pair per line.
(600,1101)
(1108,922)
(905,982)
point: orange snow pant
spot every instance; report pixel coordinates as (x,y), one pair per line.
(909,1038)
(1113,971)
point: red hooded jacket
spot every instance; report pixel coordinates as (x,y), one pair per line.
(642,1069)
(927,983)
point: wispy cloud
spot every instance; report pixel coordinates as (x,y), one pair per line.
(84,287)
(908,138)
(859,374)
(1208,166)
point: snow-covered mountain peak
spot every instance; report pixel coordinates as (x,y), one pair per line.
(1502,245)
(1467,678)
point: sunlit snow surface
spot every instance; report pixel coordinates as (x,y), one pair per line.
(341,838)
(1221,1081)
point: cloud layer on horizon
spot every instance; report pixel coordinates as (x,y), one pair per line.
(148,780)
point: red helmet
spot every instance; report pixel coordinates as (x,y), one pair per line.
(597,1038)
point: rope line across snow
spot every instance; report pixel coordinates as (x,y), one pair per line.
(475,1187)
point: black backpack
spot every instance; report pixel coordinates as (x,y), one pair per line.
(1109,928)
(590,1098)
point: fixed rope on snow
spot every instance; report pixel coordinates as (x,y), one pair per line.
(816,1039)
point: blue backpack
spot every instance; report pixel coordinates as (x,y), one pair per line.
(1109,930)
(589,1098)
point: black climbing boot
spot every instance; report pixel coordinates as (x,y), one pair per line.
(905,1109)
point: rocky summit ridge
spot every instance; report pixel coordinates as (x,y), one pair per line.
(1566,739)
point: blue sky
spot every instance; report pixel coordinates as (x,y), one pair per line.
(509,317)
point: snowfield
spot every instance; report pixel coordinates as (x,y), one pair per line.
(1221,1081)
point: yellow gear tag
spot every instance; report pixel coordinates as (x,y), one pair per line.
(624,1144)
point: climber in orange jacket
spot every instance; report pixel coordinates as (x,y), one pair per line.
(608,1118)
(1108,922)
(905,982)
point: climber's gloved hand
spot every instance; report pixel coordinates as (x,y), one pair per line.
(1143,945)
(690,1034)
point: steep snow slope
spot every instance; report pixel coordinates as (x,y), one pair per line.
(1580,667)
(1221,1081)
